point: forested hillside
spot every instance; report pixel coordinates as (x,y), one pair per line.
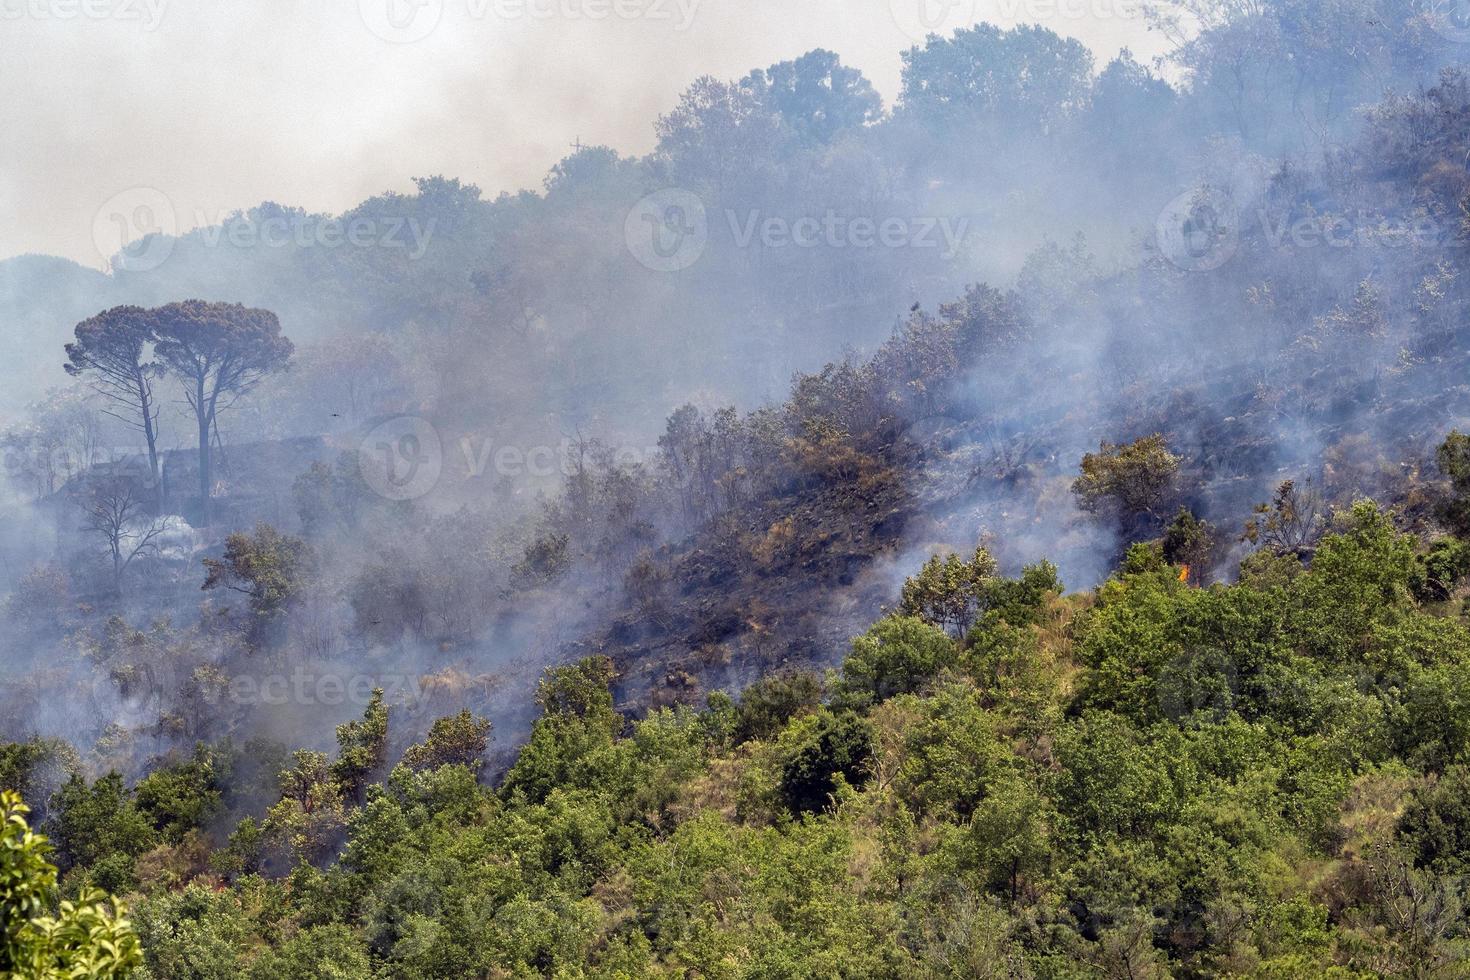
(646,577)
(1148,779)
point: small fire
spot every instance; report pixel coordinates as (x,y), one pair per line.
(1184,574)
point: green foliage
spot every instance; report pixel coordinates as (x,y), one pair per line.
(1190,542)
(1127,481)
(195,934)
(1114,781)
(88,938)
(1008,839)
(269,567)
(1441,570)
(94,823)
(823,752)
(574,734)
(1018,601)
(952,751)
(182,796)
(1153,779)
(458,740)
(772,701)
(308,820)
(1435,825)
(362,747)
(1361,578)
(949,592)
(1453,457)
(36,767)
(333,952)
(898,655)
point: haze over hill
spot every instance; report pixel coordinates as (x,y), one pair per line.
(192,99)
(1110,405)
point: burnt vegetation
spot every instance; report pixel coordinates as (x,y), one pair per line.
(732,635)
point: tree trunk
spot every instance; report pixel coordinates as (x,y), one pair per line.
(205,483)
(152,439)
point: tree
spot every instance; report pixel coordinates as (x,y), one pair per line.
(772,701)
(1190,542)
(1132,481)
(1023,79)
(898,655)
(362,747)
(59,439)
(182,796)
(720,136)
(833,747)
(89,938)
(949,592)
(816,95)
(1453,457)
(1008,836)
(578,724)
(310,816)
(268,566)
(458,740)
(100,828)
(1291,523)
(332,950)
(36,768)
(113,510)
(219,351)
(1436,823)
(111,349)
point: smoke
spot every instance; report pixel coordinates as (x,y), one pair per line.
(468,440)
(223,106)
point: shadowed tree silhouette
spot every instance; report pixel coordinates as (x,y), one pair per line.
(219,351)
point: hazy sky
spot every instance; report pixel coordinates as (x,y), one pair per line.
(194,109)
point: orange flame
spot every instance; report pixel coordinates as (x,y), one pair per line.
(1184,574)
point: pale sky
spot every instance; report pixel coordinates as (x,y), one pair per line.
(206,106)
